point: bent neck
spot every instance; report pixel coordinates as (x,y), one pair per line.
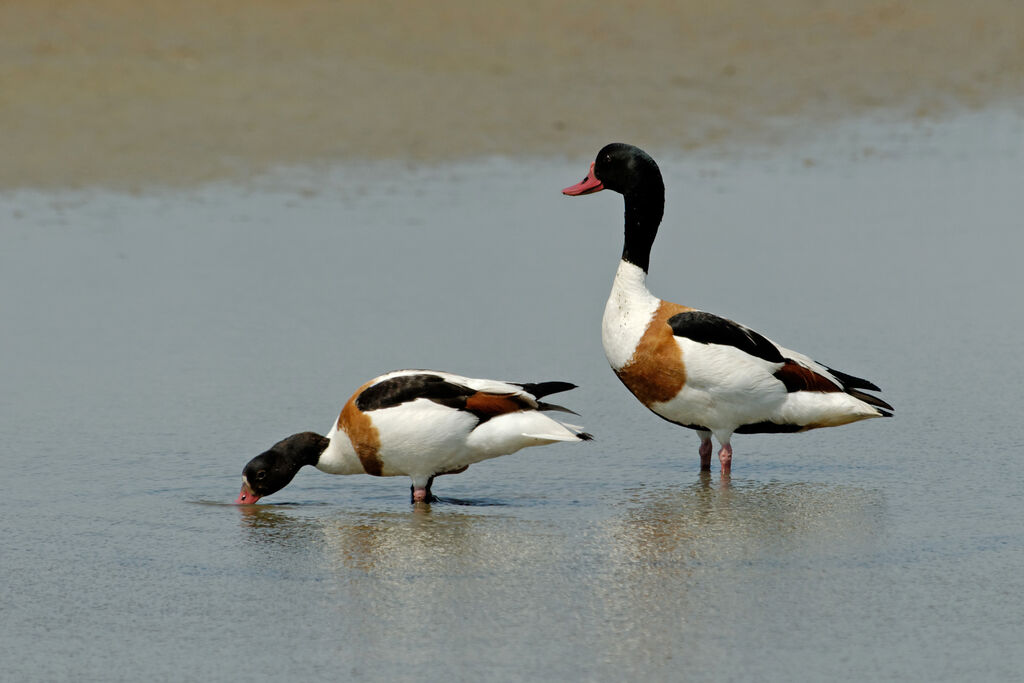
(307,448)
(644,209)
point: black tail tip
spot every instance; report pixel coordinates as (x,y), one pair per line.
(542,389)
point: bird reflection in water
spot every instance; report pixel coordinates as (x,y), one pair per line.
(639,575)
(422,539)
(713,520)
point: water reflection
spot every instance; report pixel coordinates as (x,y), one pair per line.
(425,539)
(639,577)
(274,522)
(683,562)
(398,576)
(431,540)
(285,540)
(717,519)
(712,520)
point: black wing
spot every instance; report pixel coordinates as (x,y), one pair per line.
(405,388)
(707,328)
(481,404)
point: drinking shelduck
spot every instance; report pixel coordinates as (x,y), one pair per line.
(697,369)
(417,423)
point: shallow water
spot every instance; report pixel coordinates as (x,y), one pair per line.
(153,343)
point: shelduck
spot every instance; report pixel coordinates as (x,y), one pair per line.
(417,423)
(697,369)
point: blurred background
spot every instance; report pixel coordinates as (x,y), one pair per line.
(123,93)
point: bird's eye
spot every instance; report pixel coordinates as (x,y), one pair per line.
(262,474)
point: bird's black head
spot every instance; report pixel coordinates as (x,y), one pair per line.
(271,470)
(624,168)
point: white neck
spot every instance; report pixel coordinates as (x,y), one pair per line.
(629,310)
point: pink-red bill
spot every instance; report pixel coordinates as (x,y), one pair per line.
(246,496)
(589,184)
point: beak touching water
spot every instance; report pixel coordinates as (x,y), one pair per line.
(246,496)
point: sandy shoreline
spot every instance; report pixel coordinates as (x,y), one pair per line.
(126,94)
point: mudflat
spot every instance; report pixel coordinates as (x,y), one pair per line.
(126,93)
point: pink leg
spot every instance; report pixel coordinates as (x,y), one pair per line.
(705,453)
(725,457)
(422,494)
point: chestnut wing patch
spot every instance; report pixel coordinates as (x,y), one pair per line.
(486,406)
(798,378)
(707,328)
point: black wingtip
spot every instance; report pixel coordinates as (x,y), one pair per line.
(872,401)
(542,389)
(852,382)
(585,436)
(541,405)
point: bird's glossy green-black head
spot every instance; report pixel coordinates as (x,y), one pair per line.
(621,168)
(273,469)
(624,168)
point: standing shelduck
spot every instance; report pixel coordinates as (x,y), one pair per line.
(694,368)
(418,423)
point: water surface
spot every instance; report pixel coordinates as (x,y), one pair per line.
(153,343)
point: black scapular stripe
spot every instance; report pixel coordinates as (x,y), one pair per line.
(707,328)
(398,390)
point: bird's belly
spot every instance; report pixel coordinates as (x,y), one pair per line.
(706,410)
(421,438)
(721,406)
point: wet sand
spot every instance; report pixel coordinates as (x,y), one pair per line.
(128,94)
